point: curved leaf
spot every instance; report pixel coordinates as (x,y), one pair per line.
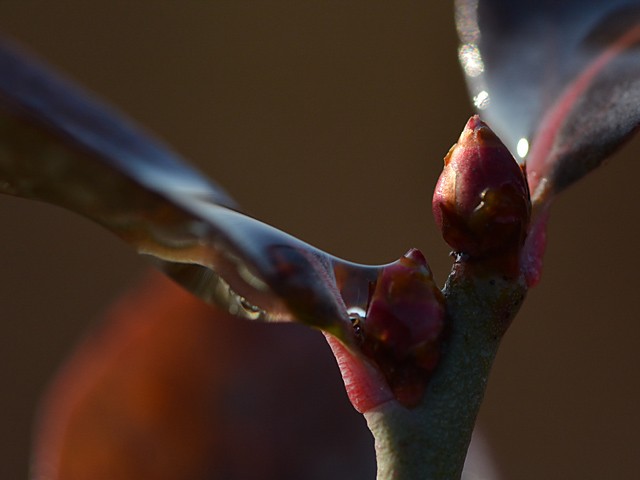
(558,81)
(61,146)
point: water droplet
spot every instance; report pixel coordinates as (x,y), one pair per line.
(357,316)
(251,312)
(481,100)
(471,59)
(523,147)
(356,312)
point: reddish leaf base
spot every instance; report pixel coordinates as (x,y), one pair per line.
(399,340)
(534,248)
(365,384)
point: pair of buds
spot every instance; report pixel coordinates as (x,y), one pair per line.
(482,206)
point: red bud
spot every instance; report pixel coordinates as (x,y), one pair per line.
(402,332)
(481,202)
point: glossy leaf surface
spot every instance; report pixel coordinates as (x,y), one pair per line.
(558,81)
(61,146)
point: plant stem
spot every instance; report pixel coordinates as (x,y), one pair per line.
(431,440)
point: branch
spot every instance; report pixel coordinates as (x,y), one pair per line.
(431,440)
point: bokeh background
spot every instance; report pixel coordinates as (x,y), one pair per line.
(329,120)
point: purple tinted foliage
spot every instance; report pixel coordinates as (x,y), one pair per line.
(62,146)
(558,81)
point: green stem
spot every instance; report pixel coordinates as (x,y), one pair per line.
(431,440)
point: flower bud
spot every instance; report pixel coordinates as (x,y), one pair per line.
(481,202)
(403,328)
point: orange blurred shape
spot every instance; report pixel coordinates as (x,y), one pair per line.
(169,388)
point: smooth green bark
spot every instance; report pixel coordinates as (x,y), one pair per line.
(431,440)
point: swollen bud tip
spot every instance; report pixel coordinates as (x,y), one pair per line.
(398,341)
(481,201)
(403,329)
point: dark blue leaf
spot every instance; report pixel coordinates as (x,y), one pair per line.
(61,146)
(559,81)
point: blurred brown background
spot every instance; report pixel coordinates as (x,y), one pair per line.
(329,120)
